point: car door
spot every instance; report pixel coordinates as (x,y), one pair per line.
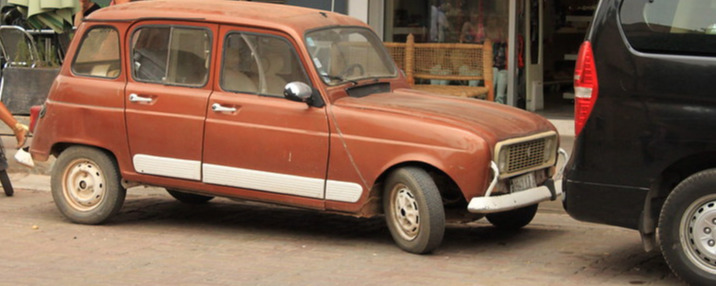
(166,97)
(255,139)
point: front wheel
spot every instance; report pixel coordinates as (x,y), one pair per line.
(513,219)
(687,229)
(86,185)
(414,210)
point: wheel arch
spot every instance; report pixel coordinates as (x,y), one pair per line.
(60,147)
(449,190)
(665,183)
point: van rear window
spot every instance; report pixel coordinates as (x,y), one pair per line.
(685,27)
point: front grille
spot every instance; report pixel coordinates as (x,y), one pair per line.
(521,155)
(525,155)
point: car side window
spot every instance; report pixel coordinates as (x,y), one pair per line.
(98,54)
(685,27)
(260,64)
(171,55)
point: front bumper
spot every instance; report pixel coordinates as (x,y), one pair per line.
(550,190)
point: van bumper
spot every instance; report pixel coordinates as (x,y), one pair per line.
(605,204)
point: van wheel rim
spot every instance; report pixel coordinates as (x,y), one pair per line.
(406,214)
(698,229)
(84,185)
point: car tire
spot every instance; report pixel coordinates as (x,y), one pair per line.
(414,210)
(687,229)
(188,198)
(86,185)
(513,219)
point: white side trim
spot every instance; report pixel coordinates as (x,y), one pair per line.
(168,167)
(249,179)
(343,191)
(263,181)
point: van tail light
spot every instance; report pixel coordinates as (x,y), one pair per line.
(34,115)
(586,86)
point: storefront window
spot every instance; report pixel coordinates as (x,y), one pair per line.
(455,21)
(447,21)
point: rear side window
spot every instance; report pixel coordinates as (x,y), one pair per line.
(171,55)
(686,27)
(98,54)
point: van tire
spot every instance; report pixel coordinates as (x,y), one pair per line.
(686,229)
(86,185)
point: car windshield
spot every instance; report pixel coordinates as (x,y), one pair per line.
(348,54)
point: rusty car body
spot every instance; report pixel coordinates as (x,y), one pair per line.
(215,98)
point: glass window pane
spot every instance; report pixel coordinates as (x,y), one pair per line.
(239,68)
(261,64)
(171,55)
(189,55)
(98,54)
(347,54)
(685,27)
(149,53)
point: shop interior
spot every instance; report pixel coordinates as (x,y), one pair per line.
(545,61)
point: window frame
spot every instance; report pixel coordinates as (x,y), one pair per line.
(288,43)
(171,27)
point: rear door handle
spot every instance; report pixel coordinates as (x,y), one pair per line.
(136,98)
(216,107)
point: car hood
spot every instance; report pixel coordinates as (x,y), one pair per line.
(492,121)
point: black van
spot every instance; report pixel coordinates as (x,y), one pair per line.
(645,113)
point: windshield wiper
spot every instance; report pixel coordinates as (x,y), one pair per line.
(333,77)
(339,78)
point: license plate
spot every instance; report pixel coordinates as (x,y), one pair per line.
(521,183)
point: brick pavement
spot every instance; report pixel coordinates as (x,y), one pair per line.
(157,240)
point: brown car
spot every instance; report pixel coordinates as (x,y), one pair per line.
(306,109)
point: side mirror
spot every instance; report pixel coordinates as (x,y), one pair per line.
(298,91)
(301,92)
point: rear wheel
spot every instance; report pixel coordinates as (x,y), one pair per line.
(687,229)
(413,210)
(188,198)
(513,219)
(86,185)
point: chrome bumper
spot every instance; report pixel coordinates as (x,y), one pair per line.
(551,190)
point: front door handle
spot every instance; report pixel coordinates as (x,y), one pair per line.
(136,98)
(220,108)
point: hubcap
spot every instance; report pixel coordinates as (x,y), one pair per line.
(406,214)
(83,184)
(698,231)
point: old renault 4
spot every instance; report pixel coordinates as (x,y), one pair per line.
(214,98)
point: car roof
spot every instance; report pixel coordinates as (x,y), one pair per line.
(264,15)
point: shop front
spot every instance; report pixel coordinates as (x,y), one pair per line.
(534,41)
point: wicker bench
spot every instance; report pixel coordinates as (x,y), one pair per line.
(437,67)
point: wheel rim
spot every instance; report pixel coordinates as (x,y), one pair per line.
(406,215)
(83,185)
(698,233)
